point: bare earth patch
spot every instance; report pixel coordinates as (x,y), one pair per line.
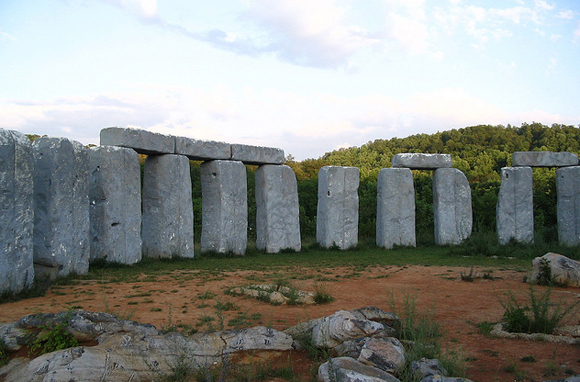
(188,299)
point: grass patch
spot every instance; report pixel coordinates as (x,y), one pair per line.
(421,335)
(539,315)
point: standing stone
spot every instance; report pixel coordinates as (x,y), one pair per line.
(167,229)
(568,191)
(337,215)
(452,206)
(395,208)
(515,206)
(115,204)
(61,207)
(277,209)
(224,190)
(16,212)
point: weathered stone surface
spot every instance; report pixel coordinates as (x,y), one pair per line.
(342,326)
(568,207)
(224,207)
(422,161)
(387,354)
(196,149)
(277,209)
(337,214)
(167,228)
(425,367)
(142,141)
(451,206)
(395,208)
(544,159)
(61,207)
(115,204)
(128,351)
(562,270)
(515,206)
(257,155)
(16,212)
(346,369)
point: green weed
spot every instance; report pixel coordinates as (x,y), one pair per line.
(540,315)
(4,358)
(51,339)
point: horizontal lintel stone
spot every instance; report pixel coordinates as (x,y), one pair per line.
(544,159)
(142,141)
(146,142)
(196,149)
(422,161)
(257,155)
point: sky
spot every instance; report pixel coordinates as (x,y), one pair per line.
(306,76)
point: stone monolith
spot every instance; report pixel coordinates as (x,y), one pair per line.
(115,204)
(568,205)
(224,191)
(277,209)
(16,212)
(395,208)
(451,206)
(61,207)
(515,206)
(167,228)
(337,214)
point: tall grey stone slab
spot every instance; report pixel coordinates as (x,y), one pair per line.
(167,222)
(515,206)
(16,212)
(257,155)
(337,214)
(544,159)
(61,207)
(224,190)
(568,192)
(395,208)
(196,149)
(421,161)
(115,204)
(277,209)
(451,206)
(142,141)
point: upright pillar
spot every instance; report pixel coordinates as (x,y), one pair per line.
(337,214)
(224,190)
(395,208)
(167,228)
(16,212)
(451,206)
(277,209)
(61,207)
(568,191)
(515,206)
(115,204)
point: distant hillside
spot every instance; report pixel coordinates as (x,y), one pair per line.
(479,151)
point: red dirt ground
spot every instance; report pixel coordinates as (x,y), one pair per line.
(174,299)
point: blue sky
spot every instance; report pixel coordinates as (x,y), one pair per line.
(307,76)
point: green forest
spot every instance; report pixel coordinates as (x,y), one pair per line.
(479,151)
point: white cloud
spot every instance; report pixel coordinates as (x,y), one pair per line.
(141,8)
(310,33)
(566,15)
